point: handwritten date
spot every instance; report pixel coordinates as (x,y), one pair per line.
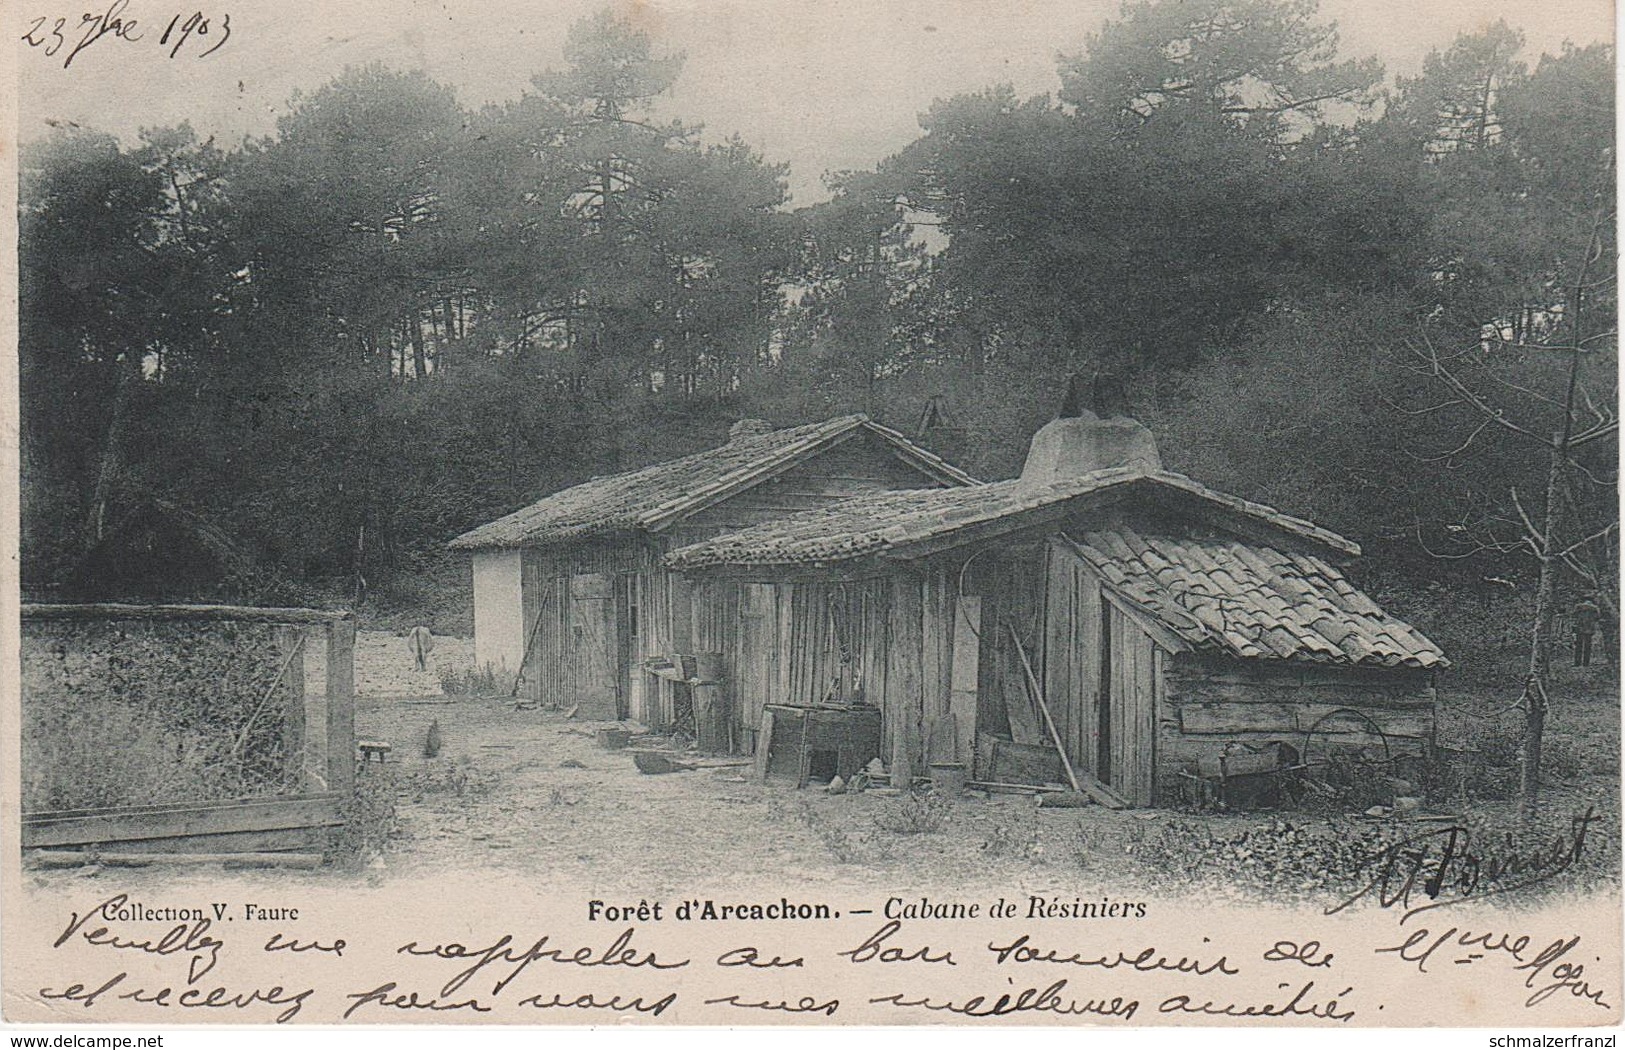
(195,33)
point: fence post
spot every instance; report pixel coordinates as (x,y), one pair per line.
(341,705)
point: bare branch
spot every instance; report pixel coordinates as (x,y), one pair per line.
(1538,537)
(1585,437)
(1495,415)
(1599,534)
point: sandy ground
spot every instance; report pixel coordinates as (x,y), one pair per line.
(532,793)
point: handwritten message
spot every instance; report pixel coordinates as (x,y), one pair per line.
(905,958)
(189,33)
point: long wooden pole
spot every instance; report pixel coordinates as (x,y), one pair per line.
(1038,695)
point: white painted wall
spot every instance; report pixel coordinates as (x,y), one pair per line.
(499,616)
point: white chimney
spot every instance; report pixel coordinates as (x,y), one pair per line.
(1081,442)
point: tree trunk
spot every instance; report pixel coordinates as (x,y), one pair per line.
(414,333)
(112,458)
(1540,650)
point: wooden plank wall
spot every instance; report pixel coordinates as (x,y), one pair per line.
(1072,613)
(1211,702)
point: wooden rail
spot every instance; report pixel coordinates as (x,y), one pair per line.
(244,825)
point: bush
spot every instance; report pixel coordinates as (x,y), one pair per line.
(916,814)
(1016,835)
(1295,861)
(846,846)
(471,681)
(136,712)
(371,820)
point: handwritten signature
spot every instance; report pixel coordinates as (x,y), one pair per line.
(1444,867)
(53,37)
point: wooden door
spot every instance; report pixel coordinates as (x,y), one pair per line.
(594,645)
(1131,724)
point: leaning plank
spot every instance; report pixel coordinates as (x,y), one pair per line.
(51,829)
(1001,787)
(237,613)
(1100,791)
(1036,691)
(80,858)
(764,744)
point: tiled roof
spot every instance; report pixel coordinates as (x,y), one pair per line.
(1224,595)
(654,496)
(894,521)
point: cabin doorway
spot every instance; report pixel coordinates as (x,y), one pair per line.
(594,642)
(1100,672)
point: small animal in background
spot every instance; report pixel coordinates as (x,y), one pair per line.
(431,741)
(421,642)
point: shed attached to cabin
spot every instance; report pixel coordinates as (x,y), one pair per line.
(1156,622)
(573,591)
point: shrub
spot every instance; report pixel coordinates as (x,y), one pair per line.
(471,681)
(915,814)
(136,712)
(846,846)
(371,820)
(1016,835)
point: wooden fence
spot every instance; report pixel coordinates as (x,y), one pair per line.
(314,730)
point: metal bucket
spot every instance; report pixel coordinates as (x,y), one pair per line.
(948,778)
(613,737)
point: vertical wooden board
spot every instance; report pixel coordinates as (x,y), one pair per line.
(1148,724)
(1050,659)
(764,745)
(1114,676)
(1089,656)
(783,618)
(656,633)
(757,633)
(965,674)
(529,610)
(1060,644)
(933,668)
(902,703)
(681,601)
(341,706)
(1139,691)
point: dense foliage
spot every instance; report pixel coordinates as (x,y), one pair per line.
(330,350)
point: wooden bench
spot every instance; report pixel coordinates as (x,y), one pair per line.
(371,748)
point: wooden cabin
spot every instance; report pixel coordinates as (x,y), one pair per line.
(573,591)
(1157,623)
